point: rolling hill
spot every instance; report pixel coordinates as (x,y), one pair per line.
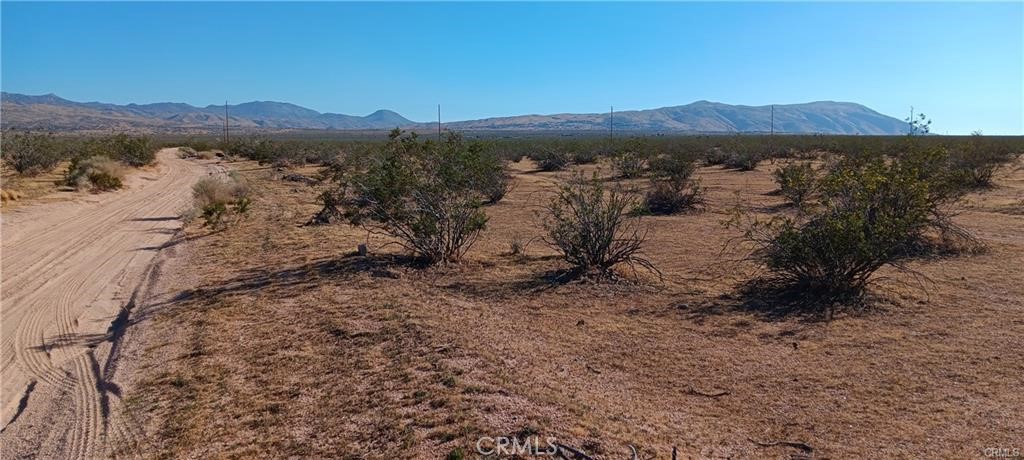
(52,113)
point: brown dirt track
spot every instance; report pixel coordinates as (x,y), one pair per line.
(70,268)
(275,340)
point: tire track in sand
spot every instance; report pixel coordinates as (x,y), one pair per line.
(69,268)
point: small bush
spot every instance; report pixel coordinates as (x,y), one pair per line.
(797,182)
(673,190)
(551,159)
(876,212)
(96,173)
(676,167)
(217,199)
(669,197)
(590,226)
(428,195)
(131,150)
(31,154)
(742,160)
(586,156)
(187,152)
(976,162)
(630,164)
(495,185)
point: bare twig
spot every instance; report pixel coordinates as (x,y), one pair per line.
(799,445)
(715,394)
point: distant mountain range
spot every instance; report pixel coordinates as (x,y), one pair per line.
(52,113)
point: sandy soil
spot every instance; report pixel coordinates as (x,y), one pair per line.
(282,343)
(71,272)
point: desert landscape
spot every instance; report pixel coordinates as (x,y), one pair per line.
(265,336)
(413,231)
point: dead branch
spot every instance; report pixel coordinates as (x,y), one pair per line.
(716,394)
(799,445)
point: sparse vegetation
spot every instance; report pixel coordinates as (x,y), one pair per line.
(876,212)
(133,151)
(551,159)
(96,173)
(797,182)
(427,195)
(31,153)
(673,189)
(436,377)
(219,200)
(631,159)
(592,229)
(977,160)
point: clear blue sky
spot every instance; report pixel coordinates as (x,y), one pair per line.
(959,63)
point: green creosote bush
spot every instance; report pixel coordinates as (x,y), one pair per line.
(797,182)
(593,230)
(876,212)
(549,159)
(427,195)
(31,154)
(631,158)
(673,189)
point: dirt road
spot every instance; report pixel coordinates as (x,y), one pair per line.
(71,271)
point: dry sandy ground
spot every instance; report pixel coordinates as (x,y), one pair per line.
(71,272)
(281,342)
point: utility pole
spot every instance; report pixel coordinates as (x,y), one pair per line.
(226,133)
(439,122)
(611,123)
(773,120)
(910,121)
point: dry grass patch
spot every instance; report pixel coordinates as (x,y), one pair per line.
(297,347)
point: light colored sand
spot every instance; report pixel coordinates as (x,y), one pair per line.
(69,269)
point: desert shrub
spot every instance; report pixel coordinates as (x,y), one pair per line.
(630,164)
(199,145)
(673,190)
(219,199)
(715,156)
(673,166)
(131,150)
(187,152)
(551,159)
(875,212)
(517,245)
(586,156)
(428,195)
(744,160)
(667,197)
(592,228)
(630,159)
(495,184)
(797,182)
(258,148)
(96,173)
(976,161)
(31,153)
